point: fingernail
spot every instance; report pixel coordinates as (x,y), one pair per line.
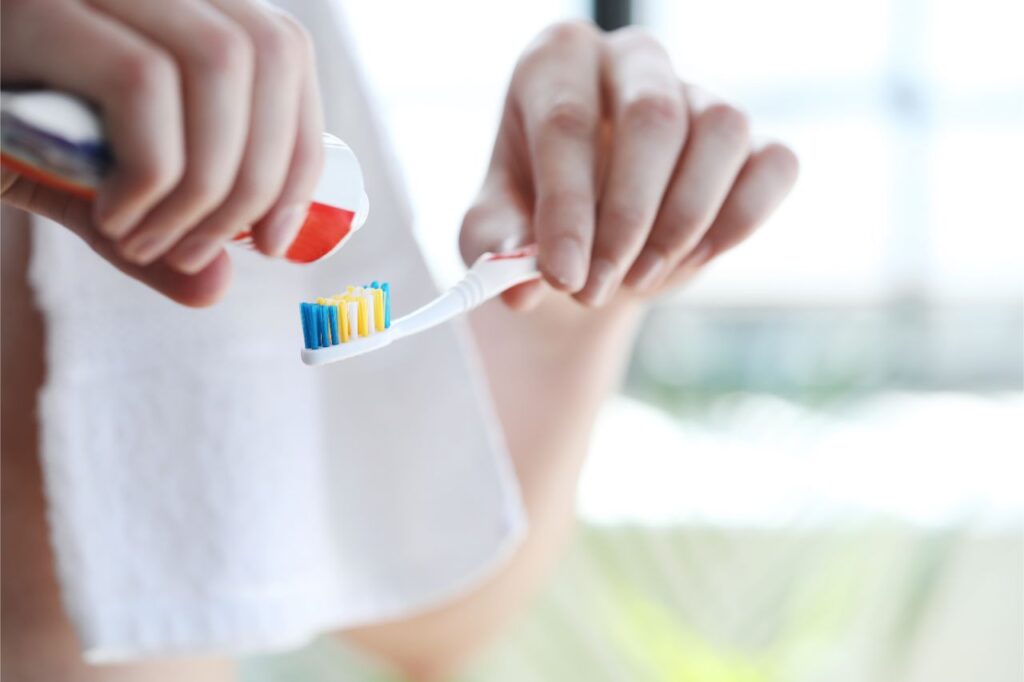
(565,263)
(191,258)
(283,227)
(142,250)
(648,269)
(602,282)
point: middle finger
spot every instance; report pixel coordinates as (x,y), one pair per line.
(649,127)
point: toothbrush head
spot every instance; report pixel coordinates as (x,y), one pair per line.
(346,324)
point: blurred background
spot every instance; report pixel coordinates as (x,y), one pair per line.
(815,469)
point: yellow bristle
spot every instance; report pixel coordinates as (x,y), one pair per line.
(364,327)
(378,309)
(343,321)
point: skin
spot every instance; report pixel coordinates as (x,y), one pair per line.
(622,174)
(213,116)
(630,182)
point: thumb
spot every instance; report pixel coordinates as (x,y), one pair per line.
(497,222)
(75,213)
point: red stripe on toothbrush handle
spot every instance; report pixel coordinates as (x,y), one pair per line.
(524,252)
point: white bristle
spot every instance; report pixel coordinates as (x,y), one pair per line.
(353,320)
(370,326)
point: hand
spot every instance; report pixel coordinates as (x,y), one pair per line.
(623,175)
(213,116)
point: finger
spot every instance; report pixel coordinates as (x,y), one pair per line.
(718,144)
(276,93)
(275,232)
(202,289)
(497,222)
(216,59)
(556,90)
(133,81)
(765,180)
(649,126)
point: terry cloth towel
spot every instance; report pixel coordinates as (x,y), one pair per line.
(209,493)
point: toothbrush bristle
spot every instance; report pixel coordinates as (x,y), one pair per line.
(357,313)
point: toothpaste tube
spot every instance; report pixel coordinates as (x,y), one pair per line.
(58,140)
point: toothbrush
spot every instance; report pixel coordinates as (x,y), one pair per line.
(359,320)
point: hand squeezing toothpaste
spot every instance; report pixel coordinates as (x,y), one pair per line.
(214,122)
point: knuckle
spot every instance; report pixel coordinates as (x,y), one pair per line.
(728,121)
(202,190)
(140,73)
(555,36)
(655,109)
(299,33)
(222,48)
(629,37)
(274,41)
(569,31)
(570,117)
(156,174)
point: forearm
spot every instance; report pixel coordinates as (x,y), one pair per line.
(549,371)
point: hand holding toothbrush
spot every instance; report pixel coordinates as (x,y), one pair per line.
(608,169)
(624,176)
(214,120)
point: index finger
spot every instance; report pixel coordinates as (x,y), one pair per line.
(557,92)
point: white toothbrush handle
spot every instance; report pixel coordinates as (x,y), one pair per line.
(493,273)
(490,275)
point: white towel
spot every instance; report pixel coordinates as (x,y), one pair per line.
(208,492)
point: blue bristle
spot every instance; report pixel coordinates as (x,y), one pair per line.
(304,313)
(335,336)
(325,327)
(314,326)
(386,288)
(318,332)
